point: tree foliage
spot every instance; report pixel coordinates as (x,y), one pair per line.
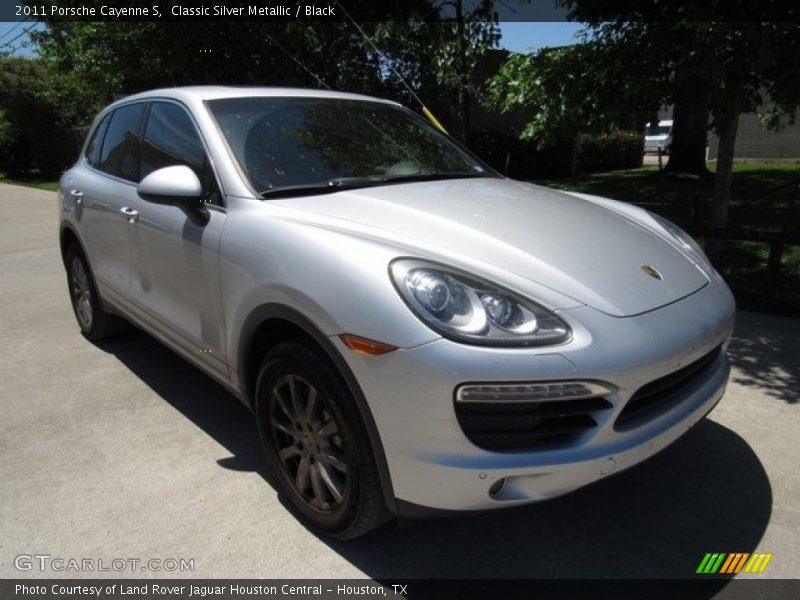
(567,91)
(88,64)
(471,35)
(732,68)
(638,56)
(82,66)
(27,116)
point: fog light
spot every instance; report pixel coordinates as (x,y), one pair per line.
(532,392)
(497,486)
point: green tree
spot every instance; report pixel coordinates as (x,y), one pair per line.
(472,33)
(90,63)
(651,54)
(569,91)
(657,64)
(698,54)
(730,69)
(27,118)
(617,77)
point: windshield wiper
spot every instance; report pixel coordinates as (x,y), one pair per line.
(310,189)
(429,177)
(351,183)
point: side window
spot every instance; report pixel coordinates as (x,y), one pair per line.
(170,138)
(93,148)
(120,152)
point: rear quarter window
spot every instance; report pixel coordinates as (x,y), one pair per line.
(96,142)
(121,146)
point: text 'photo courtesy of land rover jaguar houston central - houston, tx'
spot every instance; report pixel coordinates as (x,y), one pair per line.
(415,334)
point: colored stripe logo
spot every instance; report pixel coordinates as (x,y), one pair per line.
(732,563)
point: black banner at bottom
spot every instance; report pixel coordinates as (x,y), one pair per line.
(340,589)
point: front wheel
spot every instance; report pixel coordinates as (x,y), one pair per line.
(316,442)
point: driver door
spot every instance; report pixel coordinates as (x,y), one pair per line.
(175,275)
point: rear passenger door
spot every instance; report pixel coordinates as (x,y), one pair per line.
(175,281)
(103,188)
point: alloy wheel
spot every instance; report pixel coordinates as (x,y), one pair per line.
(81,293)
(308,444)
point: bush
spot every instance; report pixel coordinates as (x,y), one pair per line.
(27,116)
(521,159)
(59,151)
(609,151)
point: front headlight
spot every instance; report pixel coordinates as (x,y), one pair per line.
(684,239)
(467,309)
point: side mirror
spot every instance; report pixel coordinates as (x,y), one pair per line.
(176,186)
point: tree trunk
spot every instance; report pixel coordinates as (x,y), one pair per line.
(573,157)
(463,76)
(722,180)
(463,89)
(726,129)
(688,150)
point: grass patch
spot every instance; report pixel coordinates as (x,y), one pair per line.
(764,197)
(39,184)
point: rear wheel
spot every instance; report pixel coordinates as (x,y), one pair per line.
(95,323)
(316,442)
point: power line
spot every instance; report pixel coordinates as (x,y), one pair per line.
(380,54)
(296,60)
(10,31)
(24,32)
(19,35)
(425,110)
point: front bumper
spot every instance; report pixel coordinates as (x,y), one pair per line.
(655,145)
(431,462)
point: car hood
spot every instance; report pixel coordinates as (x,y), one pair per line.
(568,243)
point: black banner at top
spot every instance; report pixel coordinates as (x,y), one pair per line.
(383,10)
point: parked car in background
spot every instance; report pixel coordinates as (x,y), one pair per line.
(414,333)
(658,137)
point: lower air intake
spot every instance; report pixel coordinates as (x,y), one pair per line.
(660,395)
(528,416)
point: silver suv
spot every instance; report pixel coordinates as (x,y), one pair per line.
(413,332)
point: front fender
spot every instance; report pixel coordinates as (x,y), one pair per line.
(338,282)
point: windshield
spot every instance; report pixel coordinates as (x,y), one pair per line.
(325,144)
(655,130)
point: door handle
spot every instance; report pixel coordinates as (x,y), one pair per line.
(130,213)
(77,195)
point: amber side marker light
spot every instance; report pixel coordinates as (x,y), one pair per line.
(361,345)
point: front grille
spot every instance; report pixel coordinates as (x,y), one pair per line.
(664,393)
(513,426)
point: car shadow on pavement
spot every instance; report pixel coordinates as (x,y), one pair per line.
(766,353)
(708,492)
(196,395)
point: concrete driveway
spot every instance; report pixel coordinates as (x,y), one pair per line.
(123,450)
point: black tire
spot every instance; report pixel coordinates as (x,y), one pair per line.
(96,324)
(339,493)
